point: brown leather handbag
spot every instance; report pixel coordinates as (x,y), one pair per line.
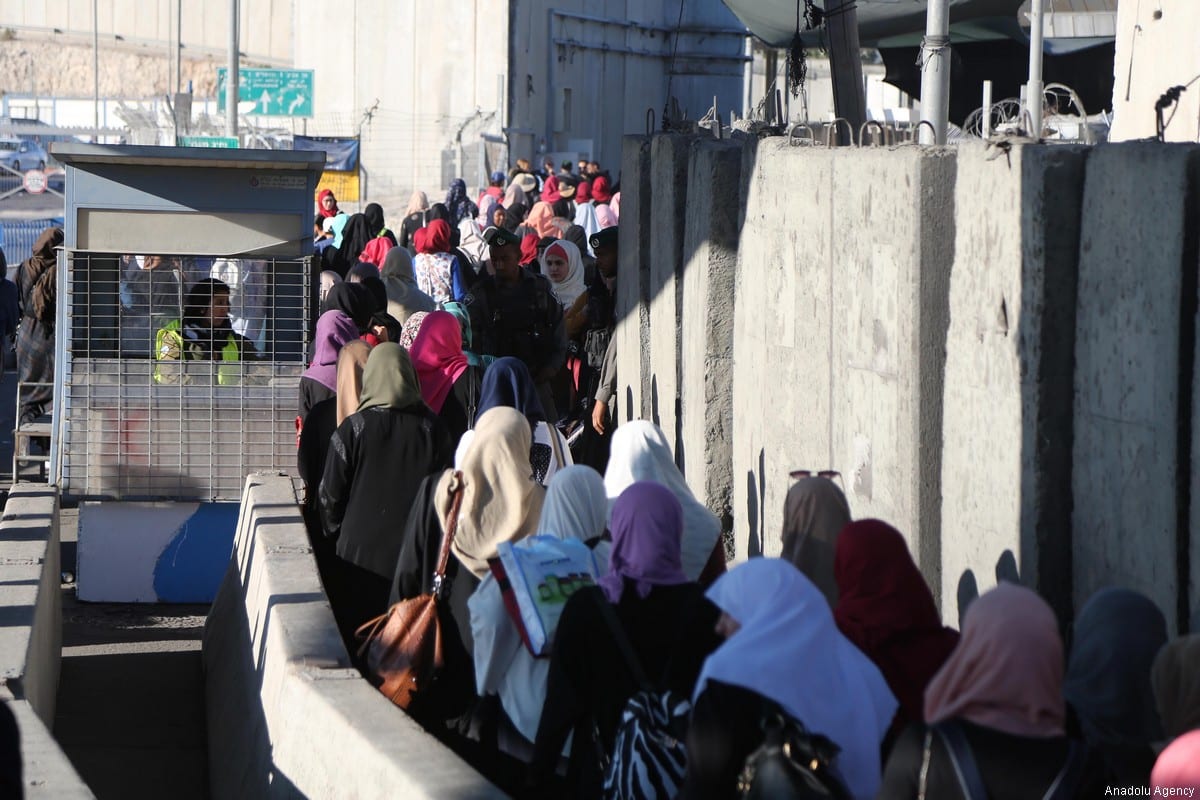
(403,646)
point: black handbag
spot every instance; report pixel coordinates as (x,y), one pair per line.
(791,764)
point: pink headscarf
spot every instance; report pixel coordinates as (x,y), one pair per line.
(615,204)
(437,354)
(541,219)
(1007,671)
(1178,767)
(605,216)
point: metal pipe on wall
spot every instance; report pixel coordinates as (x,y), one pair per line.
(231,83)
(1034,92)
(95,64)
(935,73)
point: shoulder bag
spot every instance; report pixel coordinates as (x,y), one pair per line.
(402,647)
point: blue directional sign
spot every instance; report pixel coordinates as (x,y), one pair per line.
(274,92)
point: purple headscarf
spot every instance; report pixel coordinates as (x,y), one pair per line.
(334,329)
(647,526)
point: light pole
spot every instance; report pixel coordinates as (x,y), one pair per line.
(935,73)
(231,75)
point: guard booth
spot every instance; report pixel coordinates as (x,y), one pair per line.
(157,451)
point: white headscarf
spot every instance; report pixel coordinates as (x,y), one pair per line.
(575,508)
(790,650)
(585,217)
(574,284)
(640,453)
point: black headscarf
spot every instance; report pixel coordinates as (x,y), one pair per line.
(514,215)
(377,291)
(361,271)
(355,237)
(352,299)
(438,211)
(507,382)
(374,214)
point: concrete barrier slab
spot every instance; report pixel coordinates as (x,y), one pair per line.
(632,332)
(1009,355)
(1134,372)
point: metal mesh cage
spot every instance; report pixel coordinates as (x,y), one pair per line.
(152,406)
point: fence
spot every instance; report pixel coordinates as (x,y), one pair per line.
(17,237)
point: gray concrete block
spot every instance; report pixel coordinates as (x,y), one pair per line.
(1134,358)
(705,450)
(47,773)
(669,155)
(893,242)
(1006,454)
(633,282)
(783,329)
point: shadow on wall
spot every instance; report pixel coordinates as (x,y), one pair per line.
(756,494)
(968,587)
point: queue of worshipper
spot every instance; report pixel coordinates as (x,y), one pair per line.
(450,458)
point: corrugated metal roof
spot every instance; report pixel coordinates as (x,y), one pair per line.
(1074,6)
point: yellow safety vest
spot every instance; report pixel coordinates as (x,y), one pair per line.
(168,346)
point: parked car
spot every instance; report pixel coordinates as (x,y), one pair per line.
(22,154)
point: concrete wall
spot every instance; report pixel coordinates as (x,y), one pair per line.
(31,636)
(1156,49)
(1006,453)
(287,714)
(997,350)
(266,25)
(1134,378)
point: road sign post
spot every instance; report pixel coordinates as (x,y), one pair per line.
(274,92)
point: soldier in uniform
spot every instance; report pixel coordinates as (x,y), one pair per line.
(514,313)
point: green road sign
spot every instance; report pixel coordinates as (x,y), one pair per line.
(274,92)
(230,142)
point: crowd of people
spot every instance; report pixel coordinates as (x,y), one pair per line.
(464,425)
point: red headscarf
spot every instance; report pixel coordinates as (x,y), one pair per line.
(437,354)
(326,212)
(583,192)
(886,609)
(601,191)
(529,252)
(433,238)
(550,191)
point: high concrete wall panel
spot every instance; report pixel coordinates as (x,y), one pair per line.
(287,714)
(1134,363)
(783,329)
(633,283)
(893,242)
(668,215)
(706,327)
(1009,354)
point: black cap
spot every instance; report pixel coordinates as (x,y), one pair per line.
(604,238)
(499,237)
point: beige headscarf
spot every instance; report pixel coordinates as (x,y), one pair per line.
(400,282)
(502,502)
(417,203)
(351,361)
(1176,681)
(813,514)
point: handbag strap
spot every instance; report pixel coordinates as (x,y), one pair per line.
(961,757)
(439,574)
(623,644)
(1067,780)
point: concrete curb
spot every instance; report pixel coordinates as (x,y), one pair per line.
(31,636)
(287,714)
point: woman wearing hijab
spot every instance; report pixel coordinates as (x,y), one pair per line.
(415,218)
(404,297)
(351,363)
(355,238)
(412,327)
(329,279)
(37,290)
(529,252)
(449,385)
(1116,637)
(1175,677)
(551,193)
(605,216)
(814,513)
(615,205)
(377,459)
(601,190)
(578,237)
(327,204)
(353,300)
(782,652)
(515,194)
(374,214)
(576,508)
(436,269)
(640,453)
(562,264)
(585,217)
(1001,693)
(886,609)
(456,201)
(500,503)
(514,216)
(507,382)
(541,220)
(663,614)
(319,381)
